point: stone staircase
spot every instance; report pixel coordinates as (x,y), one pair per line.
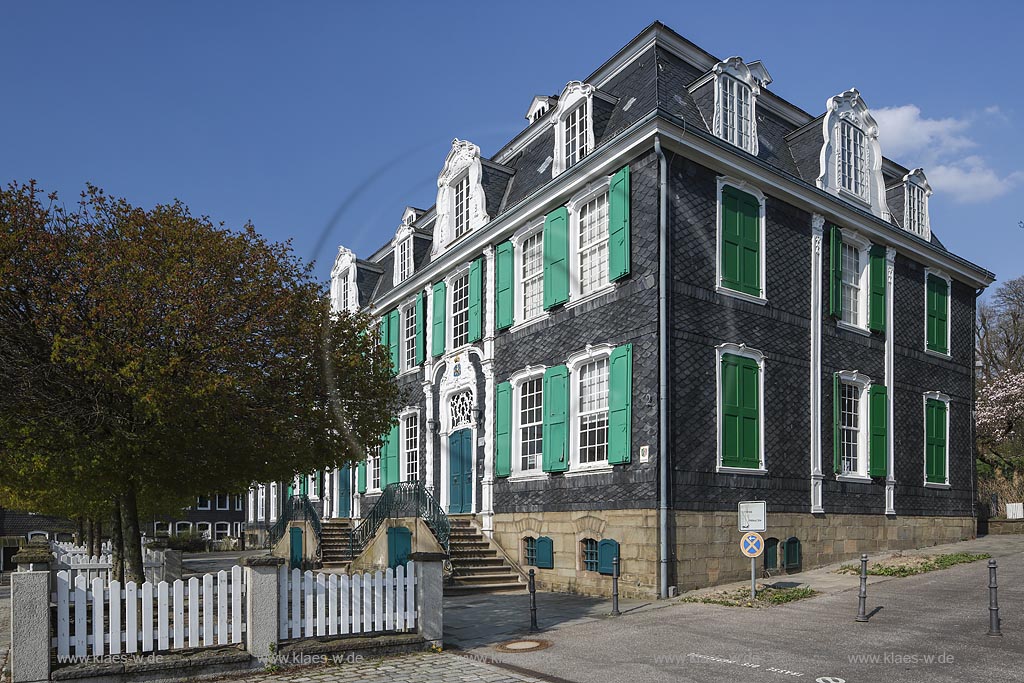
(477,566)
(335,548)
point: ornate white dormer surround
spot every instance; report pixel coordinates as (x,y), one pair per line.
(463,161)
(344,293)
(402,245)
(574,94)
(736,91)
(916,192)
(865,160)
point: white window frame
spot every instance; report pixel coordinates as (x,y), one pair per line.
(758,357)
(403,429)
(449,328)
(460,181)
(531,229)
(239,504)
(407,342)
(574,363)
(205,529)
(403,256)
(938,396)
(164,527)
(859,178)
(238,528)
(849,109)
(227,501)
(517,380)
(949,314)
(573,96)
(273,501)
(734,72)
(182,527)
(203,507)
(221,528)
(251,511)
(916,192)
(581,199)
(372,464)
(261,503)
(747,188)
(344,292)
(863,246)
(862,383)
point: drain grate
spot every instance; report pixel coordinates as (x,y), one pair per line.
(527,645)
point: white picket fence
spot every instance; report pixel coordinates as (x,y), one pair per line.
(338,604)
(77,561)
(96,618)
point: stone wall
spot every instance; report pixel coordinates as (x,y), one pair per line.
(375,557)
(1001,526)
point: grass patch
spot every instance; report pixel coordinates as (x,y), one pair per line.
(900,566)
(766,597)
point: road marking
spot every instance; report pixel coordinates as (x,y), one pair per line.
(829,679)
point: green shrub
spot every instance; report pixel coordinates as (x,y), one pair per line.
(189,542)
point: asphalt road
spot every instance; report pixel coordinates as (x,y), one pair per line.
(930,627)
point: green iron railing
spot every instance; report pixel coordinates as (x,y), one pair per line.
(406,499)
(295,509)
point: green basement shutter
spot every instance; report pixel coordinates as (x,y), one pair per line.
(878,420)
(876,290)
(503,430)
(618,225)
(837,448)
(389,458)
(394,336)
(620,402)
(361,477)
(504,292)
(740,406)
(935,441)
(555,449)
(741,241)
(556,257)
(476,298)
(937,312)
(835,269)
(421,328)
(607,550)
(437,329)
(545,553)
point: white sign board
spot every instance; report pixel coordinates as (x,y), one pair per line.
(1015,510)
(753,515)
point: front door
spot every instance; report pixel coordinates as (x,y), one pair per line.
(345,492)
(460,472)
(295,547)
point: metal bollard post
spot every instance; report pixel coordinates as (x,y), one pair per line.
(533,603)
(993,602)
(615,586)
(862,598)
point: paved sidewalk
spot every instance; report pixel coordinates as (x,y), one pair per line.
(5,627)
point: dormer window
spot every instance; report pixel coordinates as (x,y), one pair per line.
(573,119)
(736,89)
(576,135)
(850,165)
(460,208)
(853,160)
(461,205)
(344,293)
(404,259)
(915,203)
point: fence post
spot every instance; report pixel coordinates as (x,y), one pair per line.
(30,616)
(261,605)
(430,596)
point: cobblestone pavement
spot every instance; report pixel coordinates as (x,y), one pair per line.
(5,626)
(424,667)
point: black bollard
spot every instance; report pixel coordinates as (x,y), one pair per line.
(615,586)
(862,598)
(993,602)
(533,603)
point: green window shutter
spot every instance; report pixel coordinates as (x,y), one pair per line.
(476,299)
(741,241)
(555,453)
(421,328)
(876,295)
(837,449)
(878,423)
(504,268)
(394,337)
(304,485)
(835,269)
(556,257)
(437,329)
(607,550)
(937,314)
(545,553)
(618,225)
(740,406)
(935,441)
(620,402)
(361,477)
(389,470)
(503,430)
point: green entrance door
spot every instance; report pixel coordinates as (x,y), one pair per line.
(344,505)
(460,472)
(399,545)
(295,547)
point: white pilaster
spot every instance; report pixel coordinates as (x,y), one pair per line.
(890,379)
(487,489)
(428,387)
(817,479)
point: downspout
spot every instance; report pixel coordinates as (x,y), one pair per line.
(663,461)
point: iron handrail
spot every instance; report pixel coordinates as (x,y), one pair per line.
(403,497)
(297,508)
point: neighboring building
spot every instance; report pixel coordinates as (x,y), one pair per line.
(217,516)
(30,525)
(804,338)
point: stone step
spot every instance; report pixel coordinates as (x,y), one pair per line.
(485,575)
(462,589)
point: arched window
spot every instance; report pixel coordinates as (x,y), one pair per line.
(461,406)
(736,91)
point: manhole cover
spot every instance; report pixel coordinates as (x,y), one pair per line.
(530,645)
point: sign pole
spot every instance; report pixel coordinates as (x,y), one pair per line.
(753,580)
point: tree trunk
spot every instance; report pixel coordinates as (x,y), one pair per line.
(97,538)
(80,534)
(130,537)
(88,535)
(117,543)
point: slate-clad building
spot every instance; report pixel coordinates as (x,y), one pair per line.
(671,292)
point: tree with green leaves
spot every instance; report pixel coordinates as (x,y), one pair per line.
(151,355)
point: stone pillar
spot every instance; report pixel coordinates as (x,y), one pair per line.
(817,478)
(261,604)
(430,596)
(30,616)
(172,565)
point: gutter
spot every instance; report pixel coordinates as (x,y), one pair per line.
(663,404)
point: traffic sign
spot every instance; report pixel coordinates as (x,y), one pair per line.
(752,515)
(752,544)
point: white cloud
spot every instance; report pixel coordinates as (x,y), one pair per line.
(903,131)
(970,180)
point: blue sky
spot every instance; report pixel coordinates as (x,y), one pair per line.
(289,114)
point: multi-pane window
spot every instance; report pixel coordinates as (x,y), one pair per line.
(252,505)
(530,551)
(576,135)
(593,412)
(374,459)
(344,292)
(850,428)
(533,275)
(261,503)
(588,548)
(461,207)
(273,501)
(411,447)
(853,160)
(851,272)
(182,527)
(916,209)
(593,244)
(409,347)
(238,502)
(531,423)
(460,311)
(404,259)
(203,529)
(203,503)
(221,530)
(223,501)
(736,117)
